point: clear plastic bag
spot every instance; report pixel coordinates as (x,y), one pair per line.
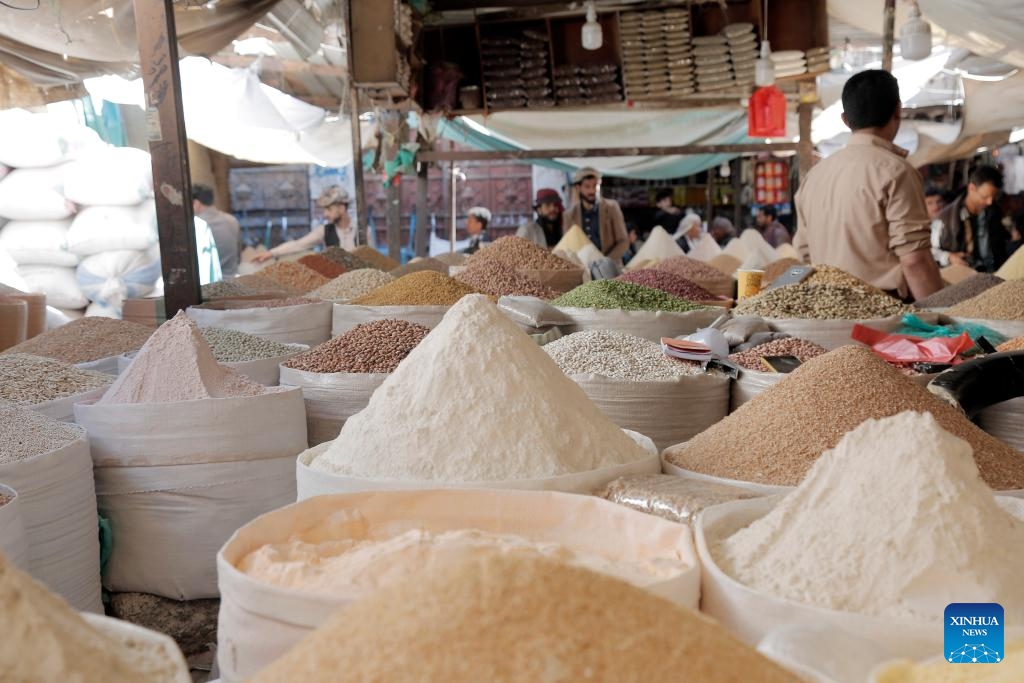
(673,498)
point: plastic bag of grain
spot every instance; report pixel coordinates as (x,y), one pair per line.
(331,398)
(307,323)
(57,505)
(652,325)
(259,621)
(668,412)
(34,194)
(347,316)
(172,501)
(38,243)
(13,544)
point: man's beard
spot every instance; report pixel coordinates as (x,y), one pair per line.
(548,223)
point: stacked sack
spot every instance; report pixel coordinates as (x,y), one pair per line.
(38,147)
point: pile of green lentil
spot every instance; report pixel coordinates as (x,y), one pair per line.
(27,380)
(234,346)
(623,295)
(822,302)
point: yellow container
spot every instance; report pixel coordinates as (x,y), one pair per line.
(748,283)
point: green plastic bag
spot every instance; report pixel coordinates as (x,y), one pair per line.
(915,327)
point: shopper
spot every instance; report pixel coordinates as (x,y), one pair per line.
(722,230)
(600,218)
(336,231)
(774,232)
(476,226)
(935,201)
(862,209)
(689,233)
(970,231)
(227,233)
(667,214)
(546,229)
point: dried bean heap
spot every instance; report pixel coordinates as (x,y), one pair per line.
(691,269)
(617,355)
(961,291)
(776,436)
(521,254)
(228,288)
(234,346)
(775,269)
(375,258)
(294,275)
(26,380)
(673,284)
(1015,344)
(324,266)
(497,279)
(378,346)
(265,285)
(353,284)
(1002,302)
(623,295)
(344,258)
(416,265)
(753,359)
(822,302)
(830,275)
(425,288)
(26,434)
(86,339)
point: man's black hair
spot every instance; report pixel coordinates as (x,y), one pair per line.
(986,174)
(769,210)
(870,98)
(663,194)
(935,192)
(204,193)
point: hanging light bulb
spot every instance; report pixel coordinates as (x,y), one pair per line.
(764,67)
(915,36)
(592,36)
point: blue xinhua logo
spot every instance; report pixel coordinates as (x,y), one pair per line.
(974,633)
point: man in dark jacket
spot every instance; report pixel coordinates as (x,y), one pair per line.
(970,231)
(600,218)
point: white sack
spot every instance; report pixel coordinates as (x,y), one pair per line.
(308,324)
(109,228)
(13,543)
(38,243)
(37,140)
(34,194)
(58,284)
(113,276)
(331,398)
(109,176)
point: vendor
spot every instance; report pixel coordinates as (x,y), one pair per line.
(862,209)
(476,226)
(969,232)
(546,230)
(337,231)
(600,218)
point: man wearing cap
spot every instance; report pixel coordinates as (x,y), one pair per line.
(337,231)
(601,219)
(227,234)
(546,230)
(476,226)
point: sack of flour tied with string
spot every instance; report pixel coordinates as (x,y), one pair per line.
(34,194)
(38,243)
(173,501)
(47,463)
(109,278)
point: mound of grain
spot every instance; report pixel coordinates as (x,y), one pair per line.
(617,355)
(1015,344)
(495,278)
(425,288)
(353,284)
(378,346)
(265,285)
(227,288)
(26,380)
(623,296)
(658,246)
(1013,269)
(375,258)
(822,302)
(322,265)
(521,254)
(1002,302)
(497,618)
(344,258)
(676,285)
(776,268)
(418,264)
(86,339)
(26,434)
(727,263)
(691,269)
(830,275)
(961,291)
(753,358)
(780,433)
(294,275)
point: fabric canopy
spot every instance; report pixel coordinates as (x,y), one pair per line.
(525,130)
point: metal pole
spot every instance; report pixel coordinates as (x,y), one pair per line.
(888,34)
(168,147)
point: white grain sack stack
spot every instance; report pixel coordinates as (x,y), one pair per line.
(185,452)
(38,148)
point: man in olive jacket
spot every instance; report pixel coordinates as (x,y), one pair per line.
(601,219)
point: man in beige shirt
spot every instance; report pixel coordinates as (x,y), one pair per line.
(862,209)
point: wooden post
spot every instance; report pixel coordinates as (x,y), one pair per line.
(394,218)
(805,152)
(888,34)
(422,237)
(362,216)
(168,146)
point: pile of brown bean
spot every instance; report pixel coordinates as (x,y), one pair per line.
(1015,344)
(343,258)
(27,380)
(375,258)
(264,285)
(691,269)
(1002,302)
(86,339)
(753,359)
(294,275)
(961,291)
(324,266)
(425,288)
(497,279)
(676,285)
(522,254)
(378,346)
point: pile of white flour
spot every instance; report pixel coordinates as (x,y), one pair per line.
(477,400)
(351,567)
(892,522)
(176,364)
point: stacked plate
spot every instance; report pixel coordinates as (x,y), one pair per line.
(789,63)
(742,51)
(818,60)
(517,70)
(657,56)
(712,64)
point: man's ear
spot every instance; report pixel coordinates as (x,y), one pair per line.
(843,116)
